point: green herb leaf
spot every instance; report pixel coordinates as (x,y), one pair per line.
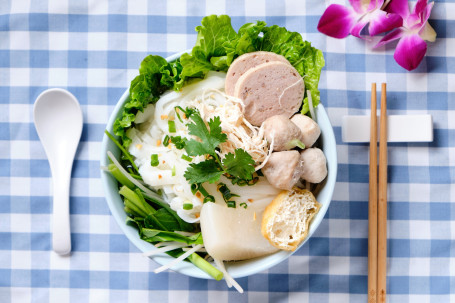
(240,164)
(206,171)
(210,138)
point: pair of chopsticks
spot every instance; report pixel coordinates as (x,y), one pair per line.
(377,210)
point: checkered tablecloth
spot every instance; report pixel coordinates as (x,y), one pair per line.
(93,48)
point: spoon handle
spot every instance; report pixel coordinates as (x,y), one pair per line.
(61,233)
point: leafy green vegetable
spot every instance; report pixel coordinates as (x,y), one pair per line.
(205,171)
(122,149)
(210,138)
(239,164)
(118,175)
(247,41)
(162,219)
(209,52)
(137,201)
(156,75)
(154,235)
(307,60)
(183,225)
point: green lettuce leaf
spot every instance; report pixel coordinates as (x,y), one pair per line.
(209,52)
(307,60)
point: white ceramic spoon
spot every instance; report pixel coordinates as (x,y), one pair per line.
(58,121)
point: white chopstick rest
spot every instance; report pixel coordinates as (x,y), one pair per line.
(400,128)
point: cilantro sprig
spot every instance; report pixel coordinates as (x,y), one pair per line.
(238,164)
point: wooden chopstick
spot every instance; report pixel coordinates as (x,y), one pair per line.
(377,207)
(373,202)
(382,200)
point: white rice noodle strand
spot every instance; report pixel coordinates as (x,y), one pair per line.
(178,260)
(163,249)
(229,280)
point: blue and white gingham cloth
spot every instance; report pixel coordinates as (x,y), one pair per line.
(93,49)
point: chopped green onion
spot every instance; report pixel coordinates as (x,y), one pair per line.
(187,206)
(202,190)
(295,142)
(154,160)
(177,113)
(209,198)
(244,205)
(166,141)
(179,142)
(173,171)
(187,158)
(194,188)
(230,204)
(171,125)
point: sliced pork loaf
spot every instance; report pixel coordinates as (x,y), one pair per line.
(269,89)
(244,63)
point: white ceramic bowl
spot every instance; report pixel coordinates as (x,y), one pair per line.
(239,268)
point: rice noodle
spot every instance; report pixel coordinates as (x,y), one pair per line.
(229,279)
(163,249)
(178,260)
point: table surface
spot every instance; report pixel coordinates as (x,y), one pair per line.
(93,49)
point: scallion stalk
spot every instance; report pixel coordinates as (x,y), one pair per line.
(187,158)
(171,126)
(154,161)
(187,206)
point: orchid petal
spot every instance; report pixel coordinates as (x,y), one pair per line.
(400,7)
(337,21)
(410,51)
(392,36)
(427,12)
(413,21)
(428,33)
(420,6)
(374,4)
(357,5)
(381,22)
(358,28)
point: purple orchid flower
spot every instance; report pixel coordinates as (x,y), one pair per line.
(415,30)
(339,21)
